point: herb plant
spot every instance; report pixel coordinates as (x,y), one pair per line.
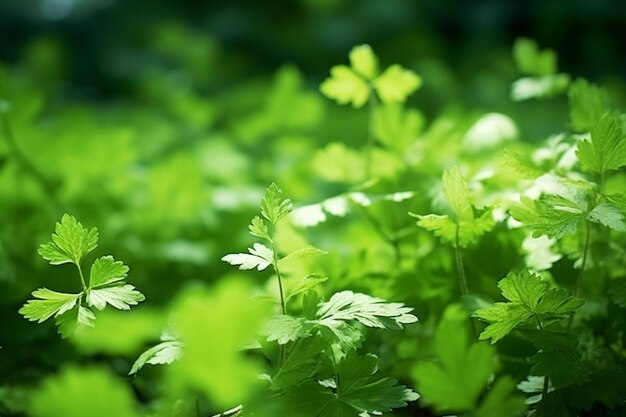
(510,251)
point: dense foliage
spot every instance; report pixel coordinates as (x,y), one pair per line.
(373,259)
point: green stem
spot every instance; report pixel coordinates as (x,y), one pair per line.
(82,277)
(373,105)
(460,271)
(546,378)
(581,274)
(283,307)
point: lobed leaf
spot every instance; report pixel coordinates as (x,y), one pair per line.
(346,87)
(164,353)
(106,270)
(49,303)
(70,242)
(260,257)
(273,206)
(607,148)
(396,84)
(118,296)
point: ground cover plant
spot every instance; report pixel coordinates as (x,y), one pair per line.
(315,249)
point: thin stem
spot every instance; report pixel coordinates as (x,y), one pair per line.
(546,378)
(373,105)
(82,277)
(546,382)
(460,270)
(283,307)
(459,264)
(581,274)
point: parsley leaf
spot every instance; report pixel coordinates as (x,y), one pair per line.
(463,228)
(364,62)
(367,310)
(75,321)
(396,84)
(260,257)
(607,149)
(344,86)
(106,270)
(551,215)
(530,60)
(77,392)
(308,282)
(285,328)
(588,103)
(304,252)
(70,242)
(461,372)
(258,228)
(166,352)
(273,206)
(354,84)
(527,296)
(50,303)
(357,392)
(118,296)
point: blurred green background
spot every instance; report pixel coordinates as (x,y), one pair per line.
(162,122)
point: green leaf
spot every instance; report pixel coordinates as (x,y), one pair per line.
(77,392)
(284,328)
(304,252)
(617,292)
(305,284)
(527,296)
(49,303)
(367,310)
(501,400)
(587,103)
(456,193)
(446,229)
(106,270)
(358,392)
(260,257)
(551,215)
(118,296)
(213,326)
(561,367)
(607,149)
(462,371)
(258,228)
(396,84)
(302,363)
(607,215)
(344,86)
(530,60)
(164,353)
(558,358)
(520,164)
(70,242)
(397,128)
(364,62)
(464,226)
(75,321)
(273,206)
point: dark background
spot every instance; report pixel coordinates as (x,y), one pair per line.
(103,37)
